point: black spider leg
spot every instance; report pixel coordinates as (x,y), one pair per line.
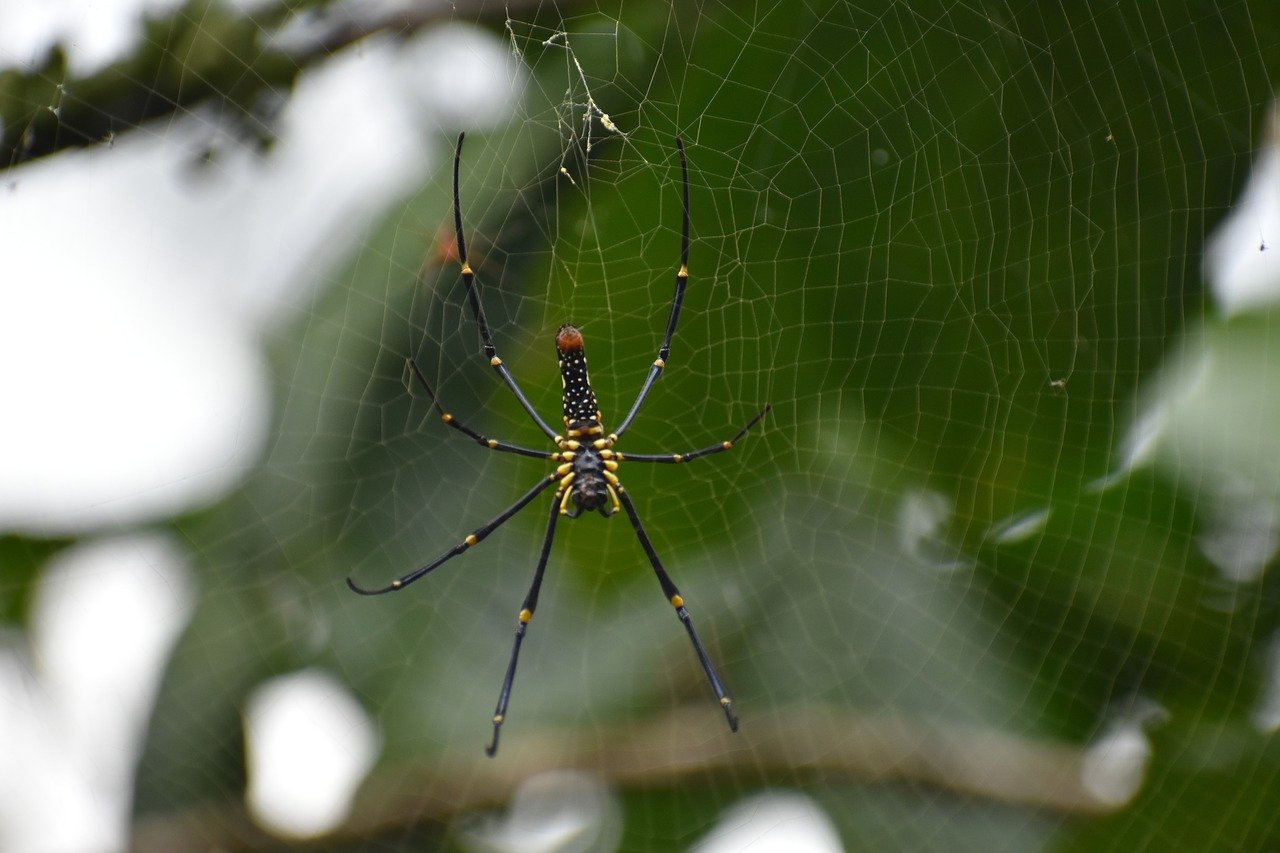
(682,281)
(674,597)
(522,625)
(482,440)
(685,457)
(473,294)
(471,540)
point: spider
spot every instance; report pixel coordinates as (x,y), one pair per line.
(586,475)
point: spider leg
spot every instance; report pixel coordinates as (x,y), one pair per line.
(522,625)
(473,539)
(473,294)
(682,281)
(674,597)
(685,457)
(484,441)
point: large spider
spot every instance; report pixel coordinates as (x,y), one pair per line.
(586,477)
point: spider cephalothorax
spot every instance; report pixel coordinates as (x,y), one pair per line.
(589,482)
(585,477)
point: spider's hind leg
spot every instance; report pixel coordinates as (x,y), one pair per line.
(522,625)
(677,601)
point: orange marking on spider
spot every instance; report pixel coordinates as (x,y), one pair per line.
(569,338)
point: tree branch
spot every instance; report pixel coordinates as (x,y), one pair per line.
(788,744)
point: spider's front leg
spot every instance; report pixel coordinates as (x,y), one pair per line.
(677,302)
(473,296)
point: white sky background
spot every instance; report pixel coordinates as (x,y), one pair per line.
(139,292)
(94,33)
(137,296)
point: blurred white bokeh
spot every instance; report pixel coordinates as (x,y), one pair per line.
(554,812)
(308,746)
(76,698)
(773,822)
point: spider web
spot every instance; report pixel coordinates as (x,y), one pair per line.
(995,572)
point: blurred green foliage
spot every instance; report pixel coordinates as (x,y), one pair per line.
(948,243)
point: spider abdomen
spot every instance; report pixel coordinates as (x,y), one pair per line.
(581,412)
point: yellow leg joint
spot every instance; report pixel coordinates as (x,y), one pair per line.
(677,602)
(526,615)
(471,540)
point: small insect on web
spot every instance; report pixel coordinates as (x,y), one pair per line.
(586,474)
